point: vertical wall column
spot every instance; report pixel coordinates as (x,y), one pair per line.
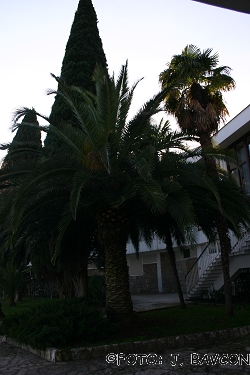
(159,276)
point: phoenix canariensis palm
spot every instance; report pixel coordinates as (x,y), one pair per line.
(184,181)
(111,163)
(198,105)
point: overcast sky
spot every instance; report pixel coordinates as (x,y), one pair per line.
(33,36)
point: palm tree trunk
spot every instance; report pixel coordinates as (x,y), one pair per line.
(80,281)
(19,296)
(170,250)
(12,302)
(114,235)
(64,286)
(79,272)
(222,230)
(225,246)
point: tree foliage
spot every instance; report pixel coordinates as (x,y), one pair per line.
(196,99)
(83,52)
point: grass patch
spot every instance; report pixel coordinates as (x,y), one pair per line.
(175,321)
(26,303)
(142,326)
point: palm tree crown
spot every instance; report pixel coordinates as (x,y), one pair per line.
(196,100)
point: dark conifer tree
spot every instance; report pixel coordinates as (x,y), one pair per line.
(25,143)
(23,153)
(83,51)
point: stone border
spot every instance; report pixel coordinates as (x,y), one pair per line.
(49,354)
(148,346)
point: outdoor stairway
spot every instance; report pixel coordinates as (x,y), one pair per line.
(246,246)
(207,280)
(206,273)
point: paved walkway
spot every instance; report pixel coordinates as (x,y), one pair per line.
(142,302)
(216,359)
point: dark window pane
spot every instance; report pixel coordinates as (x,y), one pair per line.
(240,151)
(186,253)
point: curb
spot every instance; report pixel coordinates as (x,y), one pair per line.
(49,354)
(159,345)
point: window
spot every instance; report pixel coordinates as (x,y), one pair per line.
(186,253)
(240,169)
(248,145)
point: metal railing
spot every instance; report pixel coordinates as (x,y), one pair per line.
(205,259)
(237,243)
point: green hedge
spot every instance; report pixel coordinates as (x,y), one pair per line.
(57,323)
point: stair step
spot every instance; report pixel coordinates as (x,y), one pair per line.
(212,276)
(243,248)
(214,269)
(215,273)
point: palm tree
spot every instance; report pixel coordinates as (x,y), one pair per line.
(108,162)
(188,183)
(197,103)
(179,226)
(196,99)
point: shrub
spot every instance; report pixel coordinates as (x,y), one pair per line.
(57,323)
(12,281)
(241,287)
(97,291)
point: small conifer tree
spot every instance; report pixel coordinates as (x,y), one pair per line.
(24,144)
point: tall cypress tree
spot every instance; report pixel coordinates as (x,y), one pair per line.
(83,51)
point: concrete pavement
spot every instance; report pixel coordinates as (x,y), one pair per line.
(143,302)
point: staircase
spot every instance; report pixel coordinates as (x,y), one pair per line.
(206,273)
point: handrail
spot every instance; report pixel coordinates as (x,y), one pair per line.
(197,259)
(201,264)
(240,241)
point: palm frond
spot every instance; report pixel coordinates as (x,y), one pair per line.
(64,223)
(152,196)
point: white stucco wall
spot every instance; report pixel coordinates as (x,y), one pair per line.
(234,129)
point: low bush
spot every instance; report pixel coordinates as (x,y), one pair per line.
(57,323)
(97,290)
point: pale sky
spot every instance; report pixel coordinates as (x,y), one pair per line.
(33,36)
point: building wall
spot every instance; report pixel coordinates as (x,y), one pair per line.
(146,283)
(152,272)
(168,282)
